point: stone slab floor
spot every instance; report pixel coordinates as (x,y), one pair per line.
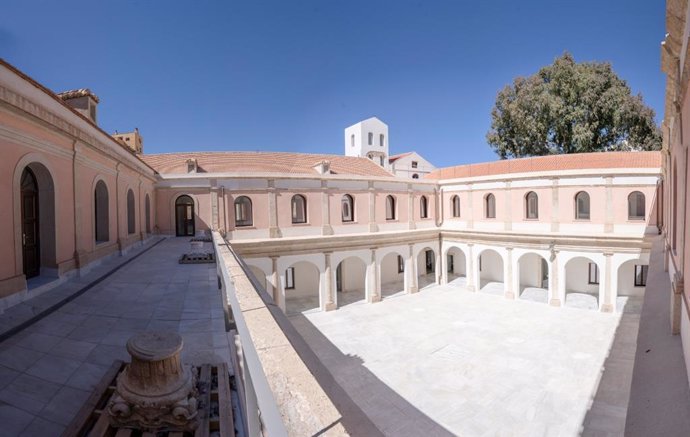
(475,363)
(49,369)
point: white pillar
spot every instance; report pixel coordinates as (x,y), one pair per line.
(469,269)
(411,285)
(508,286)
(438,267)
(276,286)
(328,296)
(605,295)
(556,281)
(373,282)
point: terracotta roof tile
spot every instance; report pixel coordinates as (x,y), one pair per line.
(551,163)
(263,162)
(81,92)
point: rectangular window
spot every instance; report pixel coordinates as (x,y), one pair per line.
(480,263)
(414,164)
(401,264)
(593,274)
(451,267)
(641,276)
(290,278)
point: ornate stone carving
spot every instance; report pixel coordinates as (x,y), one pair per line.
(155,392)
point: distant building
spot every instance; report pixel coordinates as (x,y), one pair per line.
(133,140)
(410,165)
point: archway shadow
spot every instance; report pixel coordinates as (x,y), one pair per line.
(391,413)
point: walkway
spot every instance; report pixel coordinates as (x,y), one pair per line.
(49,369)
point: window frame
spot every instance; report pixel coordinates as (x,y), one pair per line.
(455,206)
(414,164)
(246,221)
(290,278)
(423,207)
(578,215)
(349,201)
(644,270)
(639,194)
(293,209)
(393,213)
(401,264)
(531,195)
(490,206)
(595,280)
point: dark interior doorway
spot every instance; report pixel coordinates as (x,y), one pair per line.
(184,216)
(31,247)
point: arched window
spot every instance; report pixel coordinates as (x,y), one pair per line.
(490,206)
(390,207)
(381,140)
(147,213)
(636,207)
(582,206)
(531,205)
(415,176)
(131,222)
(352,140)
(455,204)
(101,212)
(423,207)
(299,209)
(371,138)
(243,211)
(348,208)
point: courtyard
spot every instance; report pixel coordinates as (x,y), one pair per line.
(477,364)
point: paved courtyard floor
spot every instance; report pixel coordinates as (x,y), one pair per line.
(50,368)
(476,363)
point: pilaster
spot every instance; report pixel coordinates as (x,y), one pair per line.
(508,207)
(373,227)
(273,229)
(470,209)
(326,228)
(555,213)
(410,208)
(608,219)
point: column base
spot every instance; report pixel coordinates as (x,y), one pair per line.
(326,230)
(411,225)
(471,288)
(375,298)
(555,302)
(373,227)
(330,307)
(509,295)
(607,308)
(274,233)
(412,290)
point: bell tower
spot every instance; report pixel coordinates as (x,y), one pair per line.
(368,139)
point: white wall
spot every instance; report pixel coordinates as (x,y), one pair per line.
(459,262)
(492,266)
(626,279)
(577,276)
(306,281)
(530,270)
(353,274)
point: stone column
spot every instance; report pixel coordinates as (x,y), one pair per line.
(608,219)
(273,229)
(471,286)
(507,204)
(438,273)
(411,271)
(508,274)
(607,298)
(275,288)
(554,284)
(329,289)
(373,285)
(444,271)
(373,227)
(555,214)
(326,228)
(410,207)
(213,192)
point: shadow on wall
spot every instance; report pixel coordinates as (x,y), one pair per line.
(391,413)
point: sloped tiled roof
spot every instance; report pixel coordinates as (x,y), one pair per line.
(263,162)
(575,161)
(81,92)
(394,158)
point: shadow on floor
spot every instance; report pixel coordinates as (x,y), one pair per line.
(391,413)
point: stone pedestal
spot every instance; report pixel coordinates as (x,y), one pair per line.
(155,392)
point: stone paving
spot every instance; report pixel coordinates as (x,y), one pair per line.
(476,363)
(50,368)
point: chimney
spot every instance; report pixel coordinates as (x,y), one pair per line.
(83,100)
(323,167)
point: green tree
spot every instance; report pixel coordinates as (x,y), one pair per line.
(570,107)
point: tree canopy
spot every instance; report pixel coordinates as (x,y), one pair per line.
(570,107)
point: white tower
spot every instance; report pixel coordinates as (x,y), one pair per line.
(368,139)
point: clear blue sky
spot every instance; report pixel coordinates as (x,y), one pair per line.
(291,75)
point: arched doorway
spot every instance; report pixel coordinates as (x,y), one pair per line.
(301,283)
(582,283)
(490,272)
(426,268)
(31,241)
(392,269)
(350,276)
(456,265)
(533,278)
(184,216)
(632,280)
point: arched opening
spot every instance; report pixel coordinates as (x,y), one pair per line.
(101,212)
(243,212)
(456,266)
(632,280)
(455,205)
(415,176)
(531,206)
(533,278)
(582,283)
(184,216)
(350,277)
(582,206)
(423,207)
(131,221)
(37,208)
(301,285)
(299,209)
(259,275)
(490,269)
(490,206)
(147,213)
(392,271)
(390,207)
(348,208)
(426,268)
(636,206)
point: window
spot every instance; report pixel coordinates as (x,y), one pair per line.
(352,140)
(243,211)
(455,205)
(423,207)
(593,274)
(390,207)
(490,207)
(450,263)
(641,276)
(414,164)
(582,206)
(290,278)
(531,205)
(101,212)
(636,207)
(371,138)
(131,223)
(299,209)
(401,264)
(348,208)
(381,161)
(381,140)
(415,176)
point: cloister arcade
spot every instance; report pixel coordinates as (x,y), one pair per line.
(577,279)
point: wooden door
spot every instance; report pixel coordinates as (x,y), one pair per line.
(30,230)
(184,216)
